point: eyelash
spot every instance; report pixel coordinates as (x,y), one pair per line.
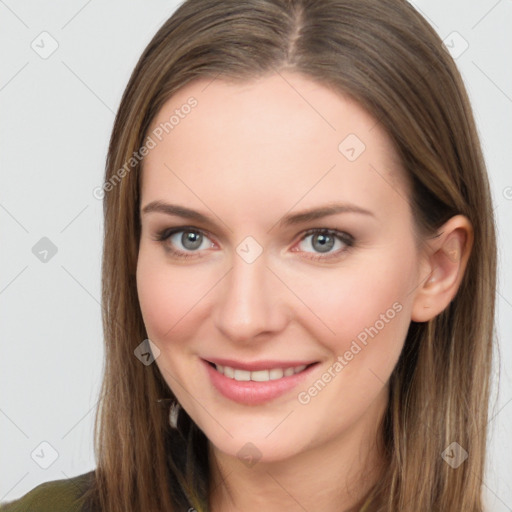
(347,239)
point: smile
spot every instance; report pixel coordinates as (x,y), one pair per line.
(256,386)
(259,375)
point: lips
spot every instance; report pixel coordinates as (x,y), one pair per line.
(249,385)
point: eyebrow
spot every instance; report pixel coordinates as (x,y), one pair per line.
(288,220)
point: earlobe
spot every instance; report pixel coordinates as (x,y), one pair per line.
(447,258)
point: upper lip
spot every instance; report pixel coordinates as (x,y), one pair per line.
(257,365)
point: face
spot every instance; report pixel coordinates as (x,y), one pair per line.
(240,276)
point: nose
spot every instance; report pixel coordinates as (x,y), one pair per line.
(250,302)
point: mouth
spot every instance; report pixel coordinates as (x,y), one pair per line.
(256,386)
(263,375)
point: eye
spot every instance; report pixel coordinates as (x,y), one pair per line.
(184,242)
(323,240)
(187,242)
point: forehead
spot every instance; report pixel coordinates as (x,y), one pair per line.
(283,138)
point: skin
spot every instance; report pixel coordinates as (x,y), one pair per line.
(247,155)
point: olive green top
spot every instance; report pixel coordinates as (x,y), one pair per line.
(54,496)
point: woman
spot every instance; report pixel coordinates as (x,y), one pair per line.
(298,270)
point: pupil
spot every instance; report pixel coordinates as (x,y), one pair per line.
(191,240)
(325,245)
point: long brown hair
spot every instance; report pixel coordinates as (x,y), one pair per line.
(386,56)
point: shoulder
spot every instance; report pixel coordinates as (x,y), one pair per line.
(55,496)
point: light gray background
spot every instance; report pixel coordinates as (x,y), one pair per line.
(56,118)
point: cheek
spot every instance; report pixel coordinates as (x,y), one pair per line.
(368,304)
(171,307)
(369,309)
(173,299)
(165,295)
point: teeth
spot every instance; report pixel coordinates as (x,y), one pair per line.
(259,375)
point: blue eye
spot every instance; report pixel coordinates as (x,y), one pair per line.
(190,239)
(193,241)
(322,240)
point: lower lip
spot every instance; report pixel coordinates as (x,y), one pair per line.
(251,392)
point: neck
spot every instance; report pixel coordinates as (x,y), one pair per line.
(333,476)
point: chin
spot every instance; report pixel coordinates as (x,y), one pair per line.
(259,442)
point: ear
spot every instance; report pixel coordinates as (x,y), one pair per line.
(444,262)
